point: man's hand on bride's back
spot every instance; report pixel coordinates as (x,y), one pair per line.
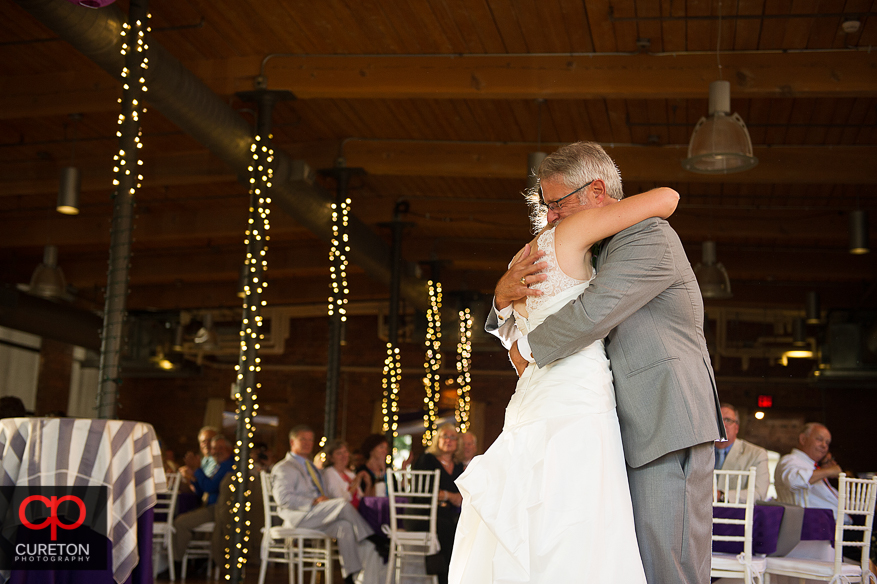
(515,283)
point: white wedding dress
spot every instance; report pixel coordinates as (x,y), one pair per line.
(549,500)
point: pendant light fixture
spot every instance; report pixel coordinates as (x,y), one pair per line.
(811,308)
(711,276)
(48,279)
(534,159)
(859,235)
(68,190)
(720,143)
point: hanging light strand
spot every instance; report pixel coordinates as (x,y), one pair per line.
(390,403)
(249,364)
(433,360)
(464,356)
(338,251)
(127,179)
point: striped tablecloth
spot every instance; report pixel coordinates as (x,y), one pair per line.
(123,456)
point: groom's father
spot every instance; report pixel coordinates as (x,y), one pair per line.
(646,302)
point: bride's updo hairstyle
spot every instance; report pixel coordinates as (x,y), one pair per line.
(572,165)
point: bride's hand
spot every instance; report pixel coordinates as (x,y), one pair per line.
(517,360)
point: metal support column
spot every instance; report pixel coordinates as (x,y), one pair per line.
(240,538)
(127,179)
(342,175)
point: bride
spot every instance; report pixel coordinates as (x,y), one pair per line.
(549,500)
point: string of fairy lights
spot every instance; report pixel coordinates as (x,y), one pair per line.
(338,260)
(433,361)
(391,385)
(127,179)
(126,160)
(256,240)
(464,360)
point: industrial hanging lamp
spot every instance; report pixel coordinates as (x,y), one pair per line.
(68,190)
(48,279)
(720,143)
(711,275)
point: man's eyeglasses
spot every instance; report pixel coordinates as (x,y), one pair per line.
(556,205)
(729,421)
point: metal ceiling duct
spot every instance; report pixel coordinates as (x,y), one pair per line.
(178,94)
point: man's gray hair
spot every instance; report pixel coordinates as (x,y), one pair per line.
(573,165)
(809,427)
(213,429)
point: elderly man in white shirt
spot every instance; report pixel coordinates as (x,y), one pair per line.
(801,477)
(299,491)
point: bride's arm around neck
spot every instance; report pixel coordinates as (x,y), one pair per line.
(578,232)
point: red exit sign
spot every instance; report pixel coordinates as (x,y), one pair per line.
(765,401)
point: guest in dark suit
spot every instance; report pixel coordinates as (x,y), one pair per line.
(440,455)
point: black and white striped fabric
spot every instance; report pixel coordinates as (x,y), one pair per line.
(123,456)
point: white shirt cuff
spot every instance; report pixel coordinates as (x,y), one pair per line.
(503,315)
(524,349)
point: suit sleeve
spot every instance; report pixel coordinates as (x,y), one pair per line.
(286,481)
(762,475)
(638,266)
(507,333)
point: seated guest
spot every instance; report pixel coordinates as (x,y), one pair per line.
(738,454)
(440,455)
(340,481)
(205,461)
(373,471)
(801,478)
(303,502)
(467,448)
(221,451)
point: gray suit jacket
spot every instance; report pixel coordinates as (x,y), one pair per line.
(646,302)
(293,489)
(744,454)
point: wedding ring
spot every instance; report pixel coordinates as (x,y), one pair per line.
(524,280)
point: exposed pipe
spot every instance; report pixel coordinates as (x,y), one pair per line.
(194,108)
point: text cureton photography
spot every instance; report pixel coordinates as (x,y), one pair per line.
(49,527)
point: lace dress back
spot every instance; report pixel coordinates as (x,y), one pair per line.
(557,286)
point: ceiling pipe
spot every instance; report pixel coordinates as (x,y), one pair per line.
(187,102)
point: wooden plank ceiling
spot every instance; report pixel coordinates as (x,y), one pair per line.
(440,101)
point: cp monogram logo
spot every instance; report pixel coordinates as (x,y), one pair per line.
(52,521)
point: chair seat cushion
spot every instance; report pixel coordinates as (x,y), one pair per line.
(812,567)
(730,563)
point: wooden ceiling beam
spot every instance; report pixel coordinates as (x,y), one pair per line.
(159,170)
(636,76)
(777,164)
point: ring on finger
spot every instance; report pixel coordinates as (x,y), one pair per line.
(524,281)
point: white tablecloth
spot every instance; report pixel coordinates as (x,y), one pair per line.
(123,456)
